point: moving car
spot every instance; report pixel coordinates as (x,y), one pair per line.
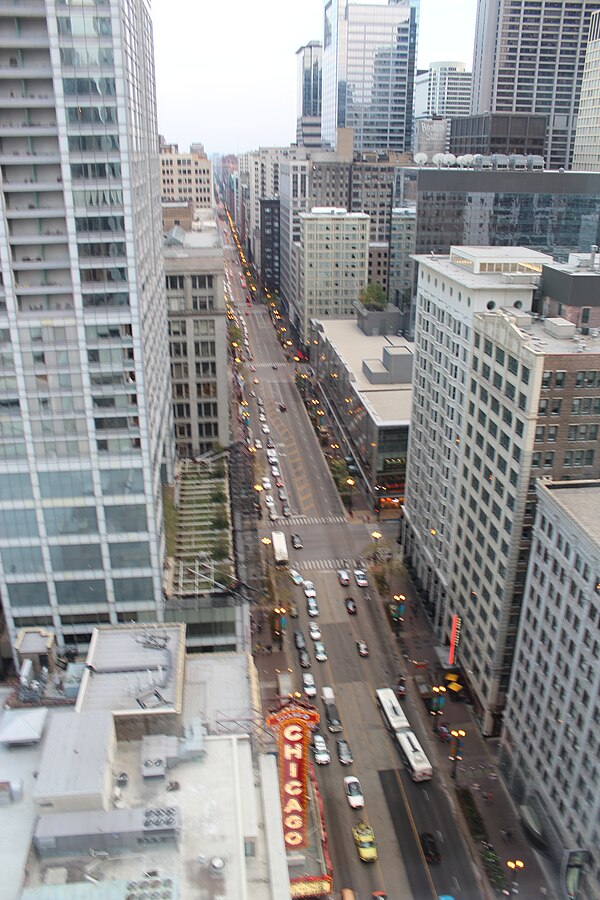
(430,848)
(312,606)
(343,752)
(401,686)
(269,500)
(262,417)
(274,367)
(282,495)
(364,839)
(354,792)
(275,472)
(260,401)
(266,484)
(308,684)
(258,444)
(319,748)
(343,577)
(297,542)
(286,511)
(320,651)
(304,659)
(360,578)
(314,631)
(362,648)
(296,576)
(309,589)
(279,483)
(299,640)
(256,381)
(350,606)
(265,429)
(293,610)
(282,407)
(270,444)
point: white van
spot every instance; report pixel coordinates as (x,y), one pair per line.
(327,695)
(271,456)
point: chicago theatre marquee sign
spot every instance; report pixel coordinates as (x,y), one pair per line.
(292,725)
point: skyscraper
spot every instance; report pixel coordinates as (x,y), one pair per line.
(86,435)
(529,58)
(369,61)
(448,90)
(586,155)
(310,61)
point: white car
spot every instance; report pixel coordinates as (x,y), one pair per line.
(315,631)
(262,417)
(266,484)
(296,576)
(275,472)
(320,651)
(308,684)
(312,606)
(269,501)
(309,586)
(319,747)
(343,577)
(360,578)
(265,429)
(354,792)
(258,444)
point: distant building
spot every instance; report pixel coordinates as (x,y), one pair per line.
(519,65)
(586,153)
(401,265)
(369,62)
(194,270)
(332,265)
(431,136)
(549,750)
(572,290)
(178,212)
(365,372)
(186,176)
(448,90)
(310,73)
(505,133)
(269,244)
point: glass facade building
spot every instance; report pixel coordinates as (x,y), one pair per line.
(369,63)
(85,417)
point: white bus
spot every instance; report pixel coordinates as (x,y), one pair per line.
(392,712)
(280,551)
(419,767)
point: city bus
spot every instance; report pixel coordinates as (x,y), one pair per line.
(391,711)
(418,766)
(280,551)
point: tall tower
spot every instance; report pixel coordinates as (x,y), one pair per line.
(529,58)
(86,436)
(586,155)
(369,62)
(310,72)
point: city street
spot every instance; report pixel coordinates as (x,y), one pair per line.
(397,809)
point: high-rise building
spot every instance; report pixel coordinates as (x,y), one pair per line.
(530,59)
(448,90)
(549,751)
(507,133)
(332,258)
(369,64)
(186,176)
(401,265)
(586,155)
(86,435)
(310,62)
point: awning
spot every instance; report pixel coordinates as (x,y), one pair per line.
(532,823)
(451,676)
(453,686)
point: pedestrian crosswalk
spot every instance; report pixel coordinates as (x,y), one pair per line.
(322,565)
(313,520)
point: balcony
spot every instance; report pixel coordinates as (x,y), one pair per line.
(45,304)
(33,211)
(26,129)
(37,239)
(37,264)
(27,185)
(23,8)
(16,99)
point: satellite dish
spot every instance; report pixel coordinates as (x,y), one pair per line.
(438,159)
(449,159)
(420,159)
(468,159)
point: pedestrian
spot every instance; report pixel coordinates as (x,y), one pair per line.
(484,795)
(269,649)
(508,834)
(490,796)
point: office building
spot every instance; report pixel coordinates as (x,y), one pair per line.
(186,176)
(269,245)
(401,264)
(310,71)
(450,290)
(332,263)
(549,750)
(530,59)
(448,90)
(571,290)
(363,371)
(194,272)
(369,63)
(259,174)
(505,133)
(586,154)
(86,422)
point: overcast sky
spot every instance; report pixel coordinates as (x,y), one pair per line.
(226,69)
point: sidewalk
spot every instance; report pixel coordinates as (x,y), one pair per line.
(477,771)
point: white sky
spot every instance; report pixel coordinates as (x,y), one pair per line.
(226,69)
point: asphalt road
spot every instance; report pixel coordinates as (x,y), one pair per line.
(397,809)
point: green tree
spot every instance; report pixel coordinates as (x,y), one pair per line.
(373,298)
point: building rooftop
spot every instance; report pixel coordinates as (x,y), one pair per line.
(134,669)
(550,335)
(389,404)
(464,264)
(580,500)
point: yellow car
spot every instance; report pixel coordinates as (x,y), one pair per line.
(365,842)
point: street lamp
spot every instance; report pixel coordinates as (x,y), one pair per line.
(516,866)
(438,701)
(350,482)
(279,624)
(376,535)
(457,734)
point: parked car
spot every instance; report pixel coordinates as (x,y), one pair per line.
(343,752)
(312,607)
(304,659)
(308,684)
(361,578)
(286,510)
(265,429)
(266,483)
(270,444)
(296,577)
(343,577)
(297,542)
(269,500)
(309,589)
(350,606)
(430,848)
(282,495)
(258,444)
(319,748)
(362,648)
(354,793)
(282,407)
